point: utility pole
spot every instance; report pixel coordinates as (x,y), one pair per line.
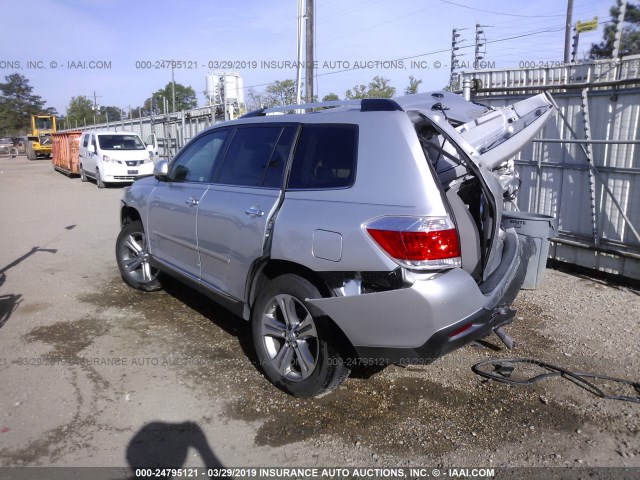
(567,31)
(308,76)
(299,52)
(95,107)
(619,26)
(574,46)
(454,56)
(478,57)
(173,88)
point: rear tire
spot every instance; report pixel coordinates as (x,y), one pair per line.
(294,349)
(132,256)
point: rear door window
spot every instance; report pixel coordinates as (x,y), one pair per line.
(257,156)
(325,157)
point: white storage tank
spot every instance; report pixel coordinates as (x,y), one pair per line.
(219,82)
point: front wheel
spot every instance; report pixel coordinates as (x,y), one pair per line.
(294,349)
(99,182)
(31,154)
(133,258)
(83,174)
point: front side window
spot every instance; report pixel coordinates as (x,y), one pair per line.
(85,141)
(120,142)
(325,157)
(257,156)
(44,124)
(195,163)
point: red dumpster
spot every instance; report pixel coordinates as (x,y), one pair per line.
(66,146)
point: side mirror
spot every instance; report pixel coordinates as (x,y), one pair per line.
(149,147)
(161,170)
(92,148)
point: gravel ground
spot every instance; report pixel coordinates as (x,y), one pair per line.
(190,374)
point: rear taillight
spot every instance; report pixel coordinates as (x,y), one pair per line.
(422,243)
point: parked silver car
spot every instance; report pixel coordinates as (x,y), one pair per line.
(367,233)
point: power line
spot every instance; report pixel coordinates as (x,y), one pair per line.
(433,53)
(498,13)
(377,25)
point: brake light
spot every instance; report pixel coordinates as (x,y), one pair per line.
(423,243)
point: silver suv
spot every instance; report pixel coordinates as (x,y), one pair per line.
(367,232)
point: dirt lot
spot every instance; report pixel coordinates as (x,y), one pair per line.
(96,374)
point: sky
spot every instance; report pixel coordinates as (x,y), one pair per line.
(104,46)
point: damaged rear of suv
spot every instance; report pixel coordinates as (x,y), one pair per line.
(370,230)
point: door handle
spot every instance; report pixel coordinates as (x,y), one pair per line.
(254,212)
(192,202)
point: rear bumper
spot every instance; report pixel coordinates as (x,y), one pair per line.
(442,342)
(432,317)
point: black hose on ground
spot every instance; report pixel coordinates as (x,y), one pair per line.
(503,368)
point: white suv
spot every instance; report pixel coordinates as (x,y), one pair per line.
(113,157)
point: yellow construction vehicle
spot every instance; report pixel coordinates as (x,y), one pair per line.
(39,140)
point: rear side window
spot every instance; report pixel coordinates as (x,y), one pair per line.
(257,157)
(325,157)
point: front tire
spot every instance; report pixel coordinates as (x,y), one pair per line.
(83,174)
(132,256)
(294,349)
(31,154)
(99,181)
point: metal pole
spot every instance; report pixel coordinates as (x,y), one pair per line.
(619,27)
(454,43)
(224,87)
(567,32)
(466,89)
(299,51)
(308,76)
(173,88)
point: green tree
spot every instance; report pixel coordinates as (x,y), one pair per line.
(114,114)
(185,100)
(412,88)
(18,103)
(330,97)
(359,91)
(378,88)
(630,41)
(80,112)
(281,93)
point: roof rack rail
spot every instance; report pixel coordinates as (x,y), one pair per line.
(366,105)
(305,106)
(254,113)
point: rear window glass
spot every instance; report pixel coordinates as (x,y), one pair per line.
(120,142)
(325,157)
